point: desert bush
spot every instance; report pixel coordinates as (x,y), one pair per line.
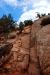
(28,22)
(43,15)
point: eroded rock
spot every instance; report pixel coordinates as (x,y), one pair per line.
(43,49)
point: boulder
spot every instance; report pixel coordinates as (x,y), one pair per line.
(12,35)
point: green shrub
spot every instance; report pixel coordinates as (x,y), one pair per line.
(28,22)
(6,23)
(43,15)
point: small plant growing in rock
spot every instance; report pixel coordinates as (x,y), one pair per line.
(43,15)
(38,15)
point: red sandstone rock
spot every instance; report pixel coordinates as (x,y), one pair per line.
(43,48)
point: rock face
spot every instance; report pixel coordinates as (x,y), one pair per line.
(24,54)
(43,49)
(30,52)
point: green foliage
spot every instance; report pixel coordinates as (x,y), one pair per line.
(28,22)
(40,15)
(43,15)
(45,21)
(10,21)
(21,26)
(6,23)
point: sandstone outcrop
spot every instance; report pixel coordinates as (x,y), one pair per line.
(30,52)
(43,49)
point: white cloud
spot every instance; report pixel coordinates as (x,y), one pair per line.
(41,6)
(28,15)
(25,8)
(41,3)
(26,3)
(11,2)
(30,7)
(19,3)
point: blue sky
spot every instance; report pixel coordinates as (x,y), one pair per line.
(6,8)
(24,9)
